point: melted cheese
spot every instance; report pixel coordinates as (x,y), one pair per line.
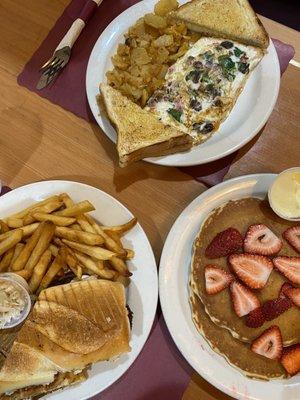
(201,87)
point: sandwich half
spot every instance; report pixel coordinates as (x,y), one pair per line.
(70,327)
(232,19)
(140,133)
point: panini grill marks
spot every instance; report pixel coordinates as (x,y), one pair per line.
(97,307)
(105,313)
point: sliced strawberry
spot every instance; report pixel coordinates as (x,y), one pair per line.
(244,301)
(226,242)
(283,289)
(269,343)
(294,295)
(252,269)
(273,308)
(289,267)
(292,235)
(255,318)
(291,359)
(216,279)
(261,240)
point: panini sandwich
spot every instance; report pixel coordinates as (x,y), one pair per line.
(70,327)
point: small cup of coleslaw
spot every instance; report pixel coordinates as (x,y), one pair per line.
(15,301)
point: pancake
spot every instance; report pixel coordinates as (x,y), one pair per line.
(240,214)
(238,354)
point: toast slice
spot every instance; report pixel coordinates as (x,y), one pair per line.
(232,19)
(140,133)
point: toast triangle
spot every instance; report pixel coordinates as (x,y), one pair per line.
(231,19)
(140,133)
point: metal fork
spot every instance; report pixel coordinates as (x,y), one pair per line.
(53,66)
(62,53)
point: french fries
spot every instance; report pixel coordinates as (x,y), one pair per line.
(109,242)
(79,236)
(17,250)
(11,241)
(24,212)
(53,249)
(119,265)
(6,260)
(97,252)
(92,266)
(26,230)
(39,271)
(47,233)
(20,262)
(57,239)
(3,227)
(58,221)
(54,268)
(14,222)
(44,209)
(84,225)
(72,262)
(24,273)
(120,229)
(77,209)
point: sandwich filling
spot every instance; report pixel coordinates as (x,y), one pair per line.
(202,86)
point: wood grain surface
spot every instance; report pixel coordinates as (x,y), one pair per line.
(39,140)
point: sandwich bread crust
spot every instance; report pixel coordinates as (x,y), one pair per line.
(233,19)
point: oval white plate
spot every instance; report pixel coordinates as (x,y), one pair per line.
(248,116)
(174,297)
(142,293)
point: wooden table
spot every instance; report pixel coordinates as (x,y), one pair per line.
(39,140)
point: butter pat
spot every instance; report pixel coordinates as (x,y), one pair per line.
(284,194)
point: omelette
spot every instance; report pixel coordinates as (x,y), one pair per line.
(202,87)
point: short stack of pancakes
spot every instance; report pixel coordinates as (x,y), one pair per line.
(214,316)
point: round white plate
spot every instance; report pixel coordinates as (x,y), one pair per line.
(142,293)
(248,116)
(174,296)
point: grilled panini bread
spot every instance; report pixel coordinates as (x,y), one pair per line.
(140,133)
(202,87)
(61,380)
(70,327)
(232,19)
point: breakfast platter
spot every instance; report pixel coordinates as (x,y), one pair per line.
(248,116)
(219,350)
(141,293)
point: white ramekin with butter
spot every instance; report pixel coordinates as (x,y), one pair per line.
(284,194)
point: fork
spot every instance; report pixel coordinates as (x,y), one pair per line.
(62,53)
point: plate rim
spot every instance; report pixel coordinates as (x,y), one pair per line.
(163,289)
(184,162)
(148,331)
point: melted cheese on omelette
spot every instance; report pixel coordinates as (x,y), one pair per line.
(202,86)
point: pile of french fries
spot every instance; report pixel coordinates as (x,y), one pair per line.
(55,238)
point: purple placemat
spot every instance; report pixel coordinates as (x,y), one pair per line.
(159,372)
(68,90)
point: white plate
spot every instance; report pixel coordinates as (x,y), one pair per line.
(174,298)
(142,292)
(248,116)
